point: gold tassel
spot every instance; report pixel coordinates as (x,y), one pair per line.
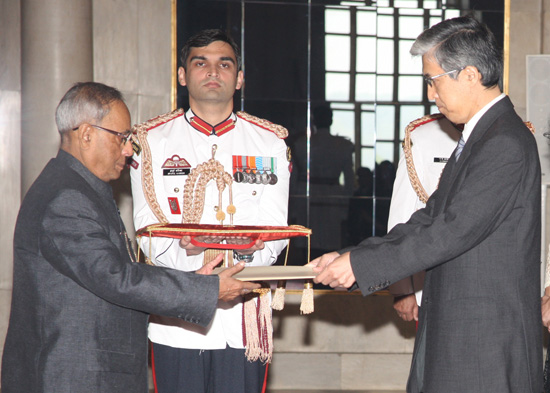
(278,302)
(257,326)
(250,328)
(306,307)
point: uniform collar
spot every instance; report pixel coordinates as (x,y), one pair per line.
(207,129)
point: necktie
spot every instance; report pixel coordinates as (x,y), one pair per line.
(459,147)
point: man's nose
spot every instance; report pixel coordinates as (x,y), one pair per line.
(127,149)
(213,71)
(431,93)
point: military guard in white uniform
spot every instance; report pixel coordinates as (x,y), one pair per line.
(432,141)
(212,359)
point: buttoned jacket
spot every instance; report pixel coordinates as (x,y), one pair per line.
(479,240)
(80,304)
(256,204)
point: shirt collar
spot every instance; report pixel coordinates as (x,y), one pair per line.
(469,127)
(207,129)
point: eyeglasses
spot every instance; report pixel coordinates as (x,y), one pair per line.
(429,79)
(125,137)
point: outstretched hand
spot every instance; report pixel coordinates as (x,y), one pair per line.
(334,270)
(230,288)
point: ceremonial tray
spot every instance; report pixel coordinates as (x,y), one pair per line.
(265,233)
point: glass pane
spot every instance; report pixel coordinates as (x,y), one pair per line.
(343,124)
(407,63)
(452,14)
(430,4)
(367,158)
(368,128)
(337,87)
(365,87)
(366,54)
(337,56)
(410,26)
(434,109)
(385,122)
(385,26)
(435,20)
(410,88)
(384,88)
(405,4)
(407,114)
(337,21)
(366,22)
(385,58)
(342,105)
(384,152)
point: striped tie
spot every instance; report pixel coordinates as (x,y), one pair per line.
(459,147)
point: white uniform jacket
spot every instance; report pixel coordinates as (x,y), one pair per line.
(256,204)
(432,143)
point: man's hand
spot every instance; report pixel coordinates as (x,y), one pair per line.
(191,249)
(209,267)
(231,288)
(406,307)
(545,308)
(185,243)
(258,244)
(335,270)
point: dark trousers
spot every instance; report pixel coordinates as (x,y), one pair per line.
(178,370)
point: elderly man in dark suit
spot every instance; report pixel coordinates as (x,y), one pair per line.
(478,237)
(80,302)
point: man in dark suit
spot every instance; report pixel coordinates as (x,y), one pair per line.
(478,237)
(80,302)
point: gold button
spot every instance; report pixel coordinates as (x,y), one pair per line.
(253,193)
(176,190)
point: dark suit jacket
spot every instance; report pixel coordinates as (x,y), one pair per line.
(479,240)
(79,311)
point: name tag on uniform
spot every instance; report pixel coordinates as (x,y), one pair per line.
(175,166)
(441,159)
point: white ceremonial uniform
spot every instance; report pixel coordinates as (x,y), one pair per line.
(432,143)
(256,204)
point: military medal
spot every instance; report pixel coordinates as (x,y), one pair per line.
(255,169)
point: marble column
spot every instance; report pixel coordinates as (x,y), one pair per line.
(10,137)
(57,51)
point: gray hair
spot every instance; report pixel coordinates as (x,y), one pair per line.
(85,102)
(460,42)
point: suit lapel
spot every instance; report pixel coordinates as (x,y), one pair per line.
(453,169)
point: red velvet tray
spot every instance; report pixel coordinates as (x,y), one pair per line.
(265,233)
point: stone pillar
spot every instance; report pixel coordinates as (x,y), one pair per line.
(57,51)
(10,137)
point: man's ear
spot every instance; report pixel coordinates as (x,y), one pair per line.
(472,74)
(84,135)
(240,80)
(181,76)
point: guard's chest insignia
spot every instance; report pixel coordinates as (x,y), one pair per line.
(255,170)
(442,160)
(175,166)
(174,205)
(136,146)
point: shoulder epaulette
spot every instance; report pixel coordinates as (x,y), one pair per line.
(278,130)
(407,145)
(413,125)
(157,121)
